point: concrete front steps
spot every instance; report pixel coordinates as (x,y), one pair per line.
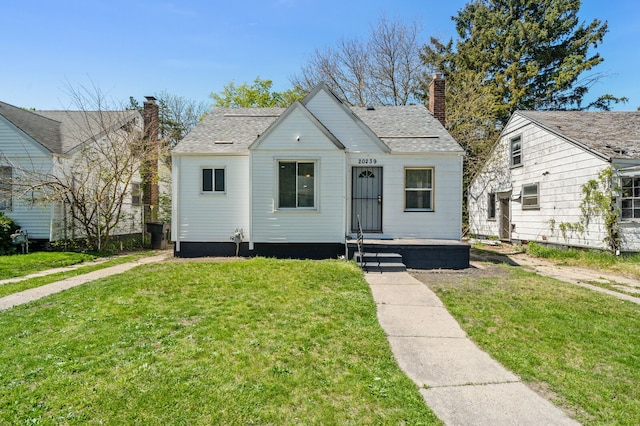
(381,262)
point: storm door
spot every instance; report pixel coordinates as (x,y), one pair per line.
(366,199)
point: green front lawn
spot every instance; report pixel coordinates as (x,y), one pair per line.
(580,347)
(10,288)
(19,265)
(249,342)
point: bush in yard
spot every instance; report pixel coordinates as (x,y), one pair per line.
(7,227)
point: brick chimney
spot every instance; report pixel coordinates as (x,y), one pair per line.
(150,193)
(436,97)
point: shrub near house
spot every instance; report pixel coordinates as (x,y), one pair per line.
(7,227)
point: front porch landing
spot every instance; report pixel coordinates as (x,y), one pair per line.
(418,253)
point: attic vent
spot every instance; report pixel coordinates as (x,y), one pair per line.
(370,108)
(616,149)
(238,114)
(223,142)
(410,137)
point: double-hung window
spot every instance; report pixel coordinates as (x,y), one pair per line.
(491,206)
(418,189)
(136,194)
(296,184)
(530,196)
(213,180)
(516,151)
(5,187)
(630,186)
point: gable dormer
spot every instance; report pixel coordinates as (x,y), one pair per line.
(296,130)
(342,122)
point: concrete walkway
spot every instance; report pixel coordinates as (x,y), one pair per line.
(55,270)
(460,383)
(583,277)
(58,286)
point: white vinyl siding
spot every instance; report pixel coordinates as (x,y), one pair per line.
(27,156)
(341,124)
(199,217)
(322,224)
(297,139)
(445,221)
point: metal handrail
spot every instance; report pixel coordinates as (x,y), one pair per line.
(360,242)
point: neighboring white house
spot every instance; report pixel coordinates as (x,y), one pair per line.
(46,143)
(531,188)
(296,180)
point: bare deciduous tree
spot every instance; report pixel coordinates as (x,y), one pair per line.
(384,69)
(91,182)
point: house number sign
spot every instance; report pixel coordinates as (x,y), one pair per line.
(367,161)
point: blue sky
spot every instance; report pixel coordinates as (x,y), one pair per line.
(191,48)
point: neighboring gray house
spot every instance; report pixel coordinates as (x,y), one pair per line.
(531,188)
(296,180)
(45,142)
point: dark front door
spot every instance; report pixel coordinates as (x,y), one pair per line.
(366,199)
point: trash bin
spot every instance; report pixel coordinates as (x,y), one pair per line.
(159,234)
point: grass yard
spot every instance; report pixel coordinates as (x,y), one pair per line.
(627,264)
(19,265)
(250,342)
(10,288)
(579,347)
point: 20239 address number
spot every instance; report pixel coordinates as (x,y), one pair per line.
(367,161)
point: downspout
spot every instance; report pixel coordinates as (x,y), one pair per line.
(345,203)
(55,161)
(66,236)
(52,213)
(176,219)
(251,244)
(461,157)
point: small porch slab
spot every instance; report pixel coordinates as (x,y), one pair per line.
(418,253)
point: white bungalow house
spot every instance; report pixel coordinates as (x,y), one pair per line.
(532,186)
(300,181)
(46,143)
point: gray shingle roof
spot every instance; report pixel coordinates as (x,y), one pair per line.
(405,129)
(409,128)
(77,127)
(61,131)
(41,129)
(228,130)
(611,134)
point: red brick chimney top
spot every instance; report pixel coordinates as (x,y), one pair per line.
(436,97)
